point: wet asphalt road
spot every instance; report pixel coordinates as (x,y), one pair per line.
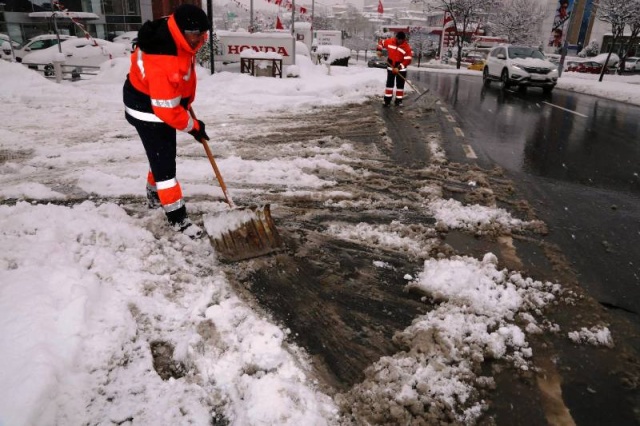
(575,156)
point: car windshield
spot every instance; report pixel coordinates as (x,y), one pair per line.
(525,52)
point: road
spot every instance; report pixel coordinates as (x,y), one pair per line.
(577,158)
(349,314)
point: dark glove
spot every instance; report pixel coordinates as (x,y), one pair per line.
(200,133)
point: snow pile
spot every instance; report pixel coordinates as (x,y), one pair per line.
(477,218)
(98,290)
(413,240)
(595,336)
(333,53)
(438,374)
(602,58)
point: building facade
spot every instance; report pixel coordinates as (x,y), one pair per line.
(573,21)
(114,16)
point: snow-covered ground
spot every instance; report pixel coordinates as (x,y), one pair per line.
(87,289)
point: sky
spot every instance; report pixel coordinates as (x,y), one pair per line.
(88,283)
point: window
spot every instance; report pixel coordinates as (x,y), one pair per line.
(525,52)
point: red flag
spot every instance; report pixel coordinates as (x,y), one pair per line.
(279,24)
(303,10)
(380,8)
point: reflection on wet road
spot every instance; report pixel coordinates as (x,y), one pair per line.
(577,159)
(563,136)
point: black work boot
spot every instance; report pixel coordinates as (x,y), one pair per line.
(188,228)
(180,222)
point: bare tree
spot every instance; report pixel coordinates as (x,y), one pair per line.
(519,21)
(618,14)
(634,27)
(420,42)
(352,22)
(323,22)
(465,14)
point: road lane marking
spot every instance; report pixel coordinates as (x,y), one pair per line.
(469,152)
(458,131)
(564,109)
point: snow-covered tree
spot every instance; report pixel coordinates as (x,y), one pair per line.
(634,26)
(465,15)
(352,22)
(592,49)
(519,21)
(203,56)
(359,43)
(618,14)
(420,42)
(323,22)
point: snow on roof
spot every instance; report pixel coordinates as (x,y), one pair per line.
(65,14)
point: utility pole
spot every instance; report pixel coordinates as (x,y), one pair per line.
(293,31)
(573,16)
(251,16)
(210,16)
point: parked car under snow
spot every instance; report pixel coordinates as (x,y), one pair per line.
(76,52)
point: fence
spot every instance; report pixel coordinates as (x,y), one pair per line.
(61,72)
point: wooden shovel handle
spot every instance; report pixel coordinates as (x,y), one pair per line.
(409,83)
(204,143)
(227,197)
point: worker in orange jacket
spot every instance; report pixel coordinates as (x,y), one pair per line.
(399,57)
(158,93)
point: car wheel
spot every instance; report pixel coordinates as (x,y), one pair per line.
(485,76)
(522,89)
(49,70)
(505,79)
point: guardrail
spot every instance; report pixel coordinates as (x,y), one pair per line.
(59,71)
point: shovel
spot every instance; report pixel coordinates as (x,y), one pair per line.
(242,233)
(420,94)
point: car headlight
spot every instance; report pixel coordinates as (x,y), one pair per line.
(518,67)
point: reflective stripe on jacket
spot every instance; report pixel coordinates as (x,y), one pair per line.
(399,54)
(162,81)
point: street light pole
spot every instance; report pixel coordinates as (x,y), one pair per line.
(210,16)
(251,16)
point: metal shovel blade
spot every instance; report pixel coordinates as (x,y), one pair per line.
(244,233)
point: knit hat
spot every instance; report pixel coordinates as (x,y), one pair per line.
(401,36)
(191,18)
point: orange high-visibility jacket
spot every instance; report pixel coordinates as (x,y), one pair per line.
(399,55)
(163,72)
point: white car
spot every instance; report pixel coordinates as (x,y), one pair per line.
(39,43)
(76,52)
(632,64)
(520,66)
(127,38)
